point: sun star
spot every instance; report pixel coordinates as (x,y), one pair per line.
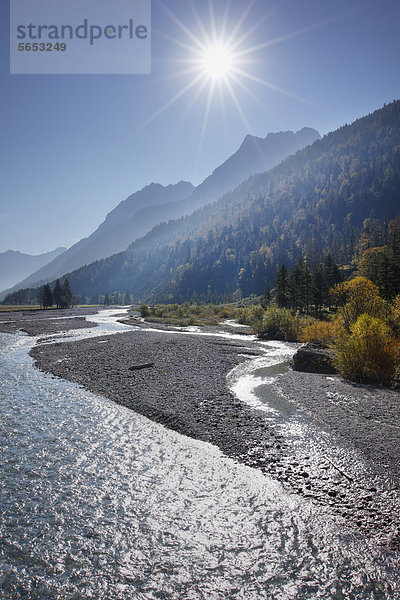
(217,61)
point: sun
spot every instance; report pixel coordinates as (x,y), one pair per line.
(217,61)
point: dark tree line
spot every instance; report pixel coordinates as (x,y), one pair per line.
(303,289)
(61,295)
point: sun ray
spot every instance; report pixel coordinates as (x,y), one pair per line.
(289,36)
(273,87)
(178,74)
(237,43)
(181,44)
(205,122)
(246,89)
(225,19)
(200,24)
(212,20)
(172,100)
(240,21)
(185,29)
(237,104)
(197,94)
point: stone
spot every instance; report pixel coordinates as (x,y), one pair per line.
(313,358)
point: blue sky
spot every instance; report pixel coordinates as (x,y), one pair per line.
(74,146)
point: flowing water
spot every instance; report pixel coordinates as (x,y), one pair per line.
(100,503)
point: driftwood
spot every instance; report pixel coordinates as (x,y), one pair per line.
(137,367)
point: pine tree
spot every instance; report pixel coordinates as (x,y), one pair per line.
(332,276)
(67,294)
(297,285)
(308,289)
(381,266)
(318,291)
(282,287)
(266,298)
(46,296)
(58,294)
(127,298)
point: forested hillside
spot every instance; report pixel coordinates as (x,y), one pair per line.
(334,197)
(329,198)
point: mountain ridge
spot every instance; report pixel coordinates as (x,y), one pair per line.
(254,155)
(16,266)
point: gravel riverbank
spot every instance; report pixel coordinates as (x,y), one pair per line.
(180,381)
(42,322)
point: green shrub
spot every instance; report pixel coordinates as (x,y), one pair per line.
(274,319)
(144,310)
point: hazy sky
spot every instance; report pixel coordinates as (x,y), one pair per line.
(73,147)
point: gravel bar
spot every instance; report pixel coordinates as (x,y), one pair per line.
(42,322)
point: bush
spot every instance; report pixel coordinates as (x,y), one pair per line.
(357,297)
(320,332)
(277,319)
(144,310)
(368,354)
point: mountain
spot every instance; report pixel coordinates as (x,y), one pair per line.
(255,155)
(15,266)
(322,200)
(136,215)
(120,227)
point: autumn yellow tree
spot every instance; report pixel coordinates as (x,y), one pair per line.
(356,297)
(368,354)
(366,346)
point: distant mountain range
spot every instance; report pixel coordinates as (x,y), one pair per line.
(120,227)
(154,204)
(15,266)
(322,200)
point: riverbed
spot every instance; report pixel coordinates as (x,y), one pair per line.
(101,502)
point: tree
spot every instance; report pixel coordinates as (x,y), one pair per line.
(127,298)
(58,294)
(67,294)
(46,296)
(332,276)
(357,297)
(381,267)
(318,285)
(300,286)
(282,287)
(266,298)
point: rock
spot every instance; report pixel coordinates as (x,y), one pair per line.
(277,335)
(313,358)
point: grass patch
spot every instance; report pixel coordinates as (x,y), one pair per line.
(186,315)
(15,308)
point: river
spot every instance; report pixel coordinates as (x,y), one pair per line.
(100,503)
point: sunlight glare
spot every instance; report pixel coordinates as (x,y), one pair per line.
(217,61)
